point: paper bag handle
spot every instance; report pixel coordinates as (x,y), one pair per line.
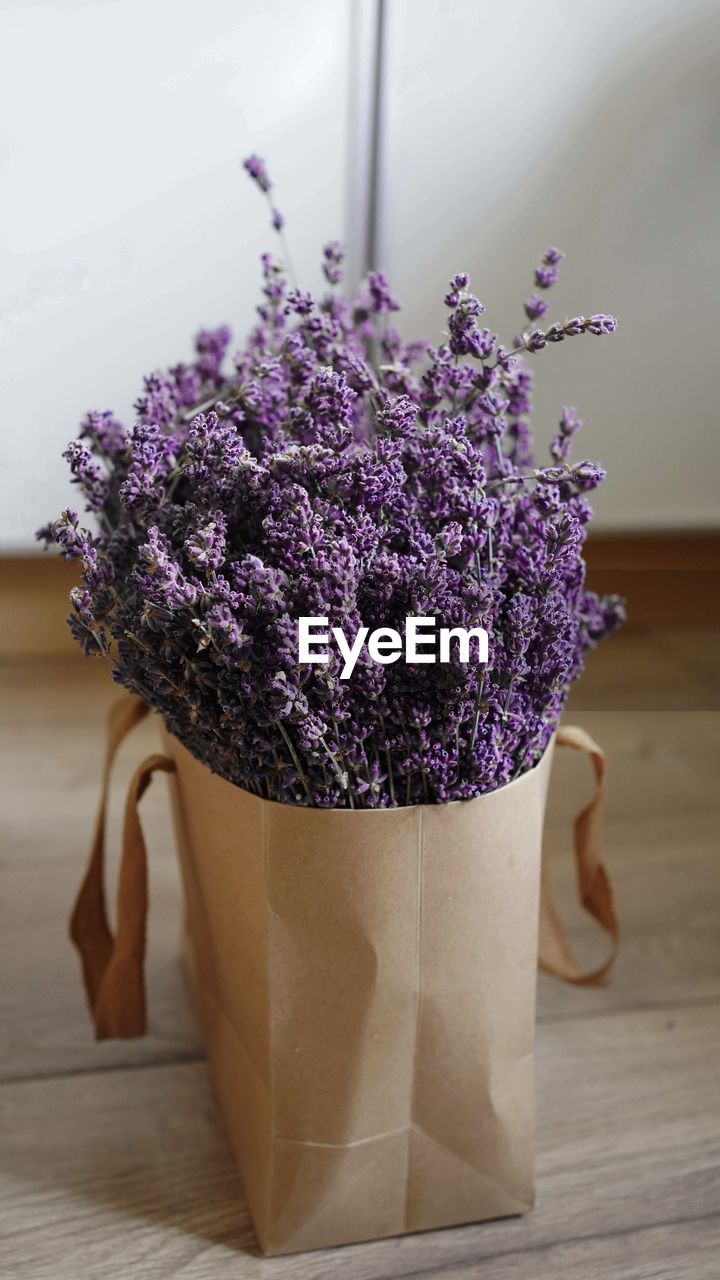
(594,887)
(113,967)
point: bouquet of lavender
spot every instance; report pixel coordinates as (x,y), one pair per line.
(336,470)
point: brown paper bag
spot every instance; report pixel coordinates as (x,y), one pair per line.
(366,986)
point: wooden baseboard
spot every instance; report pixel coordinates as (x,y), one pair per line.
(687,551)
(668,579)
(34,606)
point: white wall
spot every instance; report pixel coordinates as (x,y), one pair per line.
(125,221)
(594,126)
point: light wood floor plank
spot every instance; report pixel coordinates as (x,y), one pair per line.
(127,1172)
(111,1158)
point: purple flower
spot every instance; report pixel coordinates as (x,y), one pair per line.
(330,404)
(546,274)
(89,636)
(458,284)
(88,474)
(188,385)
(562,537)
(466,337)
(160,576)
(339,470)
(562,442)
(211,345)
(333,259)
(381,298)
(398,416)
(587,475)
(151,454)
(546,277)
(104,432)
(299,303)
(205,547)
(601,324)
(216,461)
(258,172)
(598,325)
(448,542)
(535,307)
(224,630)
(159,403)
(64,533)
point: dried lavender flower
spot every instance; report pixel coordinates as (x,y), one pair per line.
(257,170)
(334,469)
(333,259)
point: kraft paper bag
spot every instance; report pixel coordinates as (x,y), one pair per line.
(366,983)
(366,986)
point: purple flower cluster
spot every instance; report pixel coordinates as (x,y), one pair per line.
(332,468)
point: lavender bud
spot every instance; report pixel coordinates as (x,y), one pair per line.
(556,333)
(575,326)
(258,172)
(535,307)
(333,259)
(545,277)
(601,324)
(535,341)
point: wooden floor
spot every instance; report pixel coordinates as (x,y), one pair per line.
(112,1162)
